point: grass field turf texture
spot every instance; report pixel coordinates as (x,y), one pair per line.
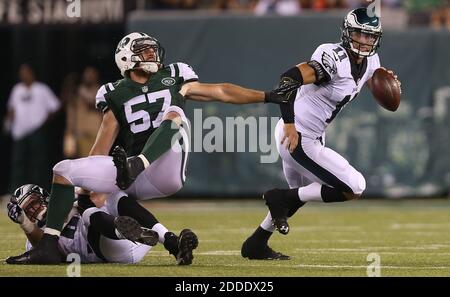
(412,238)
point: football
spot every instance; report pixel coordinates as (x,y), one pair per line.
(385,89)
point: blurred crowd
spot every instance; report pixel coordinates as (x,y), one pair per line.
(261,6)
(36,118)
(435,13)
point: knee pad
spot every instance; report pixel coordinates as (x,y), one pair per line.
(63,169)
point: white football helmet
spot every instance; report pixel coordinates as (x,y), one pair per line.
(128,53)
(361,20)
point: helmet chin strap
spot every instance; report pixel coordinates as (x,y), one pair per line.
(359,52)
(149,67)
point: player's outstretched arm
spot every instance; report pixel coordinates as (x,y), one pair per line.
(225,92)
(106,135)
(228,93)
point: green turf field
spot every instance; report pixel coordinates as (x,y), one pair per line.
(412,238)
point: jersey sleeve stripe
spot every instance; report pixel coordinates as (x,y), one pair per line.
(103,106)
(111,86)
(191,80)
(177,69)
(172,70)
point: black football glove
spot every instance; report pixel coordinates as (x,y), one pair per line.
(283,94)
(15,212)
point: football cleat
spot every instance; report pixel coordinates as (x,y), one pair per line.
(47,253)
(126,174)
(278,207)
(254,250)
(187,242)
(181,246)
(132,230)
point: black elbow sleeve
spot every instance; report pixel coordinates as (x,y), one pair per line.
(293,77)
(294,74)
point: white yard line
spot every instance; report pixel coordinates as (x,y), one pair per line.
(413,226)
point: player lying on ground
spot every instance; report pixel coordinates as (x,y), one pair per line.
(333,77)
(144,112)
(96,234)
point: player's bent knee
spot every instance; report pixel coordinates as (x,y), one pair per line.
(358,185)
(175,114)
(61,172)
(171,186)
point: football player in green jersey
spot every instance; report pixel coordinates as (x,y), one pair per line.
(144,112)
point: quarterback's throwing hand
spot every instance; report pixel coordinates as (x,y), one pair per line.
(290,138)
(15,212)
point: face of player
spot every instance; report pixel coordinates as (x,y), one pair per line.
(148,55)
(363,41)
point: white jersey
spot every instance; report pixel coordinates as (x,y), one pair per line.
(317,105)
(73,239)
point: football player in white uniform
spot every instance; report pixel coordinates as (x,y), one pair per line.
(333,77)
(144,112)
(96,234)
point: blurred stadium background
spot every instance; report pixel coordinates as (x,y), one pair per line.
(249,42)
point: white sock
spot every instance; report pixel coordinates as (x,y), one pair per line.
(52,231)
(267,223)
(161,231)
(311,192)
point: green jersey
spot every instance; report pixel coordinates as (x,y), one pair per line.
(139,108)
